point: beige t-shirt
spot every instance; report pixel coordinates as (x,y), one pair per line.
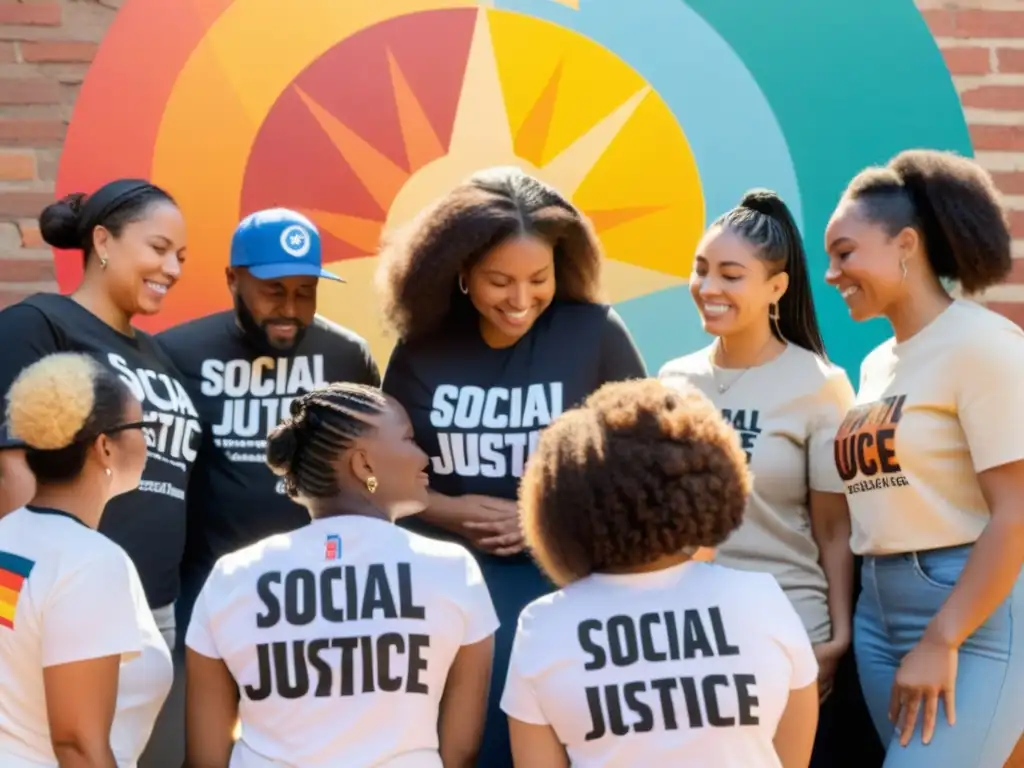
(932,412)
(786,413)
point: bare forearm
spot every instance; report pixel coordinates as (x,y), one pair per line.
(73,755)
(440,510)
(992,569)
(837,562)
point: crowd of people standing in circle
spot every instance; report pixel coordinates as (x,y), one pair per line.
(236,544)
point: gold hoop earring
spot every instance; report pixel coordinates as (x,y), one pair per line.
(773,312)
(371,484)
(462,285)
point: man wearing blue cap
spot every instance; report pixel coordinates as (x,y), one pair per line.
(243,368)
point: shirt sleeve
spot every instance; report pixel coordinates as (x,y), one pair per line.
(620,358)
(28,336)
(834,399)
(371,373)
(789,632)
(519,699)
(481,619)
(92,613)
(199,636)
(990,397)
(400,382)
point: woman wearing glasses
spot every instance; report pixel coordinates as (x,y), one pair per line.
(83,669)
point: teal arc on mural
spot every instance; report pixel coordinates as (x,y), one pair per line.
(848,85)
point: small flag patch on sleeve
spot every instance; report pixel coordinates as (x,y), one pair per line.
(14,569)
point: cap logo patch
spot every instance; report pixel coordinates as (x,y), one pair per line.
(295,241)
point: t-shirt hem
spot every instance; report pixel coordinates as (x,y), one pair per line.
(523,718)
(476,637)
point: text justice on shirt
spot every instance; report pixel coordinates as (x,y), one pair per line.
(388,661)
(173,429)
(498,428)
(257,395)
(656,638)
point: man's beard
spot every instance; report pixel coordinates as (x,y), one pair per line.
(257,335)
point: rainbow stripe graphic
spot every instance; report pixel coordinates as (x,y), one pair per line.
(14,569)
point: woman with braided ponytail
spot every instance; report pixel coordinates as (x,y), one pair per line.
(933,462)
(767,372)
(333,644)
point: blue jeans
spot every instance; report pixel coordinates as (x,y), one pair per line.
(900,595)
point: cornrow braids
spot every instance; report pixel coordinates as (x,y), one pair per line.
(324,422)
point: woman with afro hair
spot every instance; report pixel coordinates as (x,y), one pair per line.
(647,657)
(493,294)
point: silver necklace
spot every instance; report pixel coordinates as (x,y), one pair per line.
(723,388)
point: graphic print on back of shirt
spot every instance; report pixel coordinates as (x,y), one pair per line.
(173,430)
(490,432)
(351,662)
(663,702)
(14,570)
(255,397)
(865,445)
(746,422)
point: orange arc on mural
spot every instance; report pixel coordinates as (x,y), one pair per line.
(365,112)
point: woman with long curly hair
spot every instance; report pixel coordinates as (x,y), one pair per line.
(493,294)
(645,657)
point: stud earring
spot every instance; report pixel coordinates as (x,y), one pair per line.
(462,285)
(371,484)
(109,472)
(103,261)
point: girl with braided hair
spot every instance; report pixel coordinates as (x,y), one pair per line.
(333,644)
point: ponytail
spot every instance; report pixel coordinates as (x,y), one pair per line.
(764,221)
(954,206)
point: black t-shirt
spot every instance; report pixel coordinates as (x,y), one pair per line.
(478,411)
(241,393)
(148,523)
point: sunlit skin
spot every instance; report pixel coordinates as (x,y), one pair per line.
(282,308)
(864,265)
(511,287)
(733,292)
(144,263)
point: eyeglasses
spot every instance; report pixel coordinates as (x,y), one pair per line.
(129,425)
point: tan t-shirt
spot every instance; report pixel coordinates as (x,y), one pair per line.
(931,413)
(786,413)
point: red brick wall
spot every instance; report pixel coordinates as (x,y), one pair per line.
(46,46)
(45,49)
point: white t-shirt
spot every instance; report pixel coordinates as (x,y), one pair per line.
(319,688)
(68,593)
(691,665)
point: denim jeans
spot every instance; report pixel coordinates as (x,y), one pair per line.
(901,593)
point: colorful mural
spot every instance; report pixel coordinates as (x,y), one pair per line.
(653,115)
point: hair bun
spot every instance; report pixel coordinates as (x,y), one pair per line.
(282,444)
(59,222)
(764,201)
(51,400)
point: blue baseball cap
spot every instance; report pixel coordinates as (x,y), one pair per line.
(278,243)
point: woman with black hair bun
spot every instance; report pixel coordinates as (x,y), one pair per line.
(933,462)
(768,373)
(132,239)
(83,668)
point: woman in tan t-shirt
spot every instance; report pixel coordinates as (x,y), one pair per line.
(932,456)
(767,373)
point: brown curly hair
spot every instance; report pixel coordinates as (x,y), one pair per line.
(639,471)
(419,270)
(954,205)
